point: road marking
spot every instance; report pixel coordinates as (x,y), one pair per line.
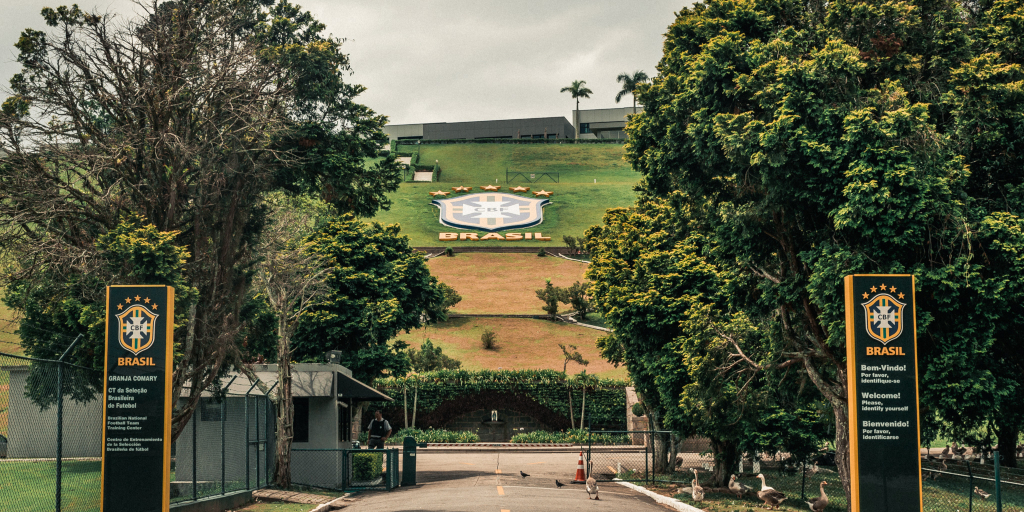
(501,492)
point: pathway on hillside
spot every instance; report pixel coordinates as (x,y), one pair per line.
(487,482)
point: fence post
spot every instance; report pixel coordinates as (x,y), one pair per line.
(257,443)
(970,488)
(195,425)
(999,496)
(223,461)
(803,481)
(60,427)
(60,420)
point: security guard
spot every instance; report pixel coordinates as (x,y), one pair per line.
(380,431)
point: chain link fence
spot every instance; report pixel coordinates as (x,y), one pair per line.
(50,448)
(345,470)
(657,459)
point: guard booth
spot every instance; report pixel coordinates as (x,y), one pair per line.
(327,419)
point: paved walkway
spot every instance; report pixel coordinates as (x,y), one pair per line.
(291,497)
(490,482)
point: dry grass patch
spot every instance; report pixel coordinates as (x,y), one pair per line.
(503,283)
(523,344)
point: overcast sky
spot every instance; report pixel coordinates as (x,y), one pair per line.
(433,61)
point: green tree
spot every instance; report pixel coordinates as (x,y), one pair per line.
(451,297)
(578,90)
(551,295)
(629,84)
(814,142)
(188,115)
(429,358)
(379,286)
(576,296)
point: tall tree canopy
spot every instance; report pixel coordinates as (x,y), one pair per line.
(188,116)
(813,141)
(378,286)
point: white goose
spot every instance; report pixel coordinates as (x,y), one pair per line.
(769,496)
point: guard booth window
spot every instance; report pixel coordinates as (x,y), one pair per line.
(344,424)
(301,424)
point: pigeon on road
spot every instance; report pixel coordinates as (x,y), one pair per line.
(524,474)
(559,484)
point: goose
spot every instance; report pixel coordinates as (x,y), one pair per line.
(819,504)
(945,453)
(592,488)
(959,450)
(737,487)
(984,495)
(769,496)
(697,493)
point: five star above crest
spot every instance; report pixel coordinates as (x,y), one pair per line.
(490,188)
(520,189)
(901,296)
(439,193)
(462,189)
(543,192)
(874,289)
(865,295)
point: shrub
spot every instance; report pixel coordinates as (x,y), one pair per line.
(541,252)
(448,251)
(579,436)
(576,296)
(432,435)
(451,297)
(429,358)
(489,339)
(366,466)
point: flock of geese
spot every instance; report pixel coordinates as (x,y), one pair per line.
(960,453)
(771,497)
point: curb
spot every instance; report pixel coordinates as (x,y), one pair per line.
(664,500)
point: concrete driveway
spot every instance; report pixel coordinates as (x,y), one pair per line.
(490,482)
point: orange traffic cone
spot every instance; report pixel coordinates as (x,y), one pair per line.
(581,475)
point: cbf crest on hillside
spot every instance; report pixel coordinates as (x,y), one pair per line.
(883,315)
(491,211)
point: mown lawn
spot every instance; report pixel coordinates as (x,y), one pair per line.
(28,486)
(523,344)
(577,203)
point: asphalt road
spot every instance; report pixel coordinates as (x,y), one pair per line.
(490,482)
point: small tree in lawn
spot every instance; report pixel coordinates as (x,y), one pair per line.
(551,295)
(292,279)
(489,339)
(576,296)
(571,353)
(429,358)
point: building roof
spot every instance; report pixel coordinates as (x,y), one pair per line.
(308,379)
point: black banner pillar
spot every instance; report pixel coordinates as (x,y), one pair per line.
(136,463)
(881,358)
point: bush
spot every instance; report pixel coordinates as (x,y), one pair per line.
(366,466)
(451,297)
(541,252)
(579,436)
(432,435)
(429,358)
(551,295)
(448,251)
(576,296)
(489,339)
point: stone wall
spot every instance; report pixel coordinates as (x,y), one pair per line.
(509,423)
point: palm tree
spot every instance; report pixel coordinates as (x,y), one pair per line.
(577,90)
(629,84)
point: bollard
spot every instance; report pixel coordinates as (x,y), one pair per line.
(409,461)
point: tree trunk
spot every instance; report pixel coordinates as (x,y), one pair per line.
(572,417)
(285,410)
(843,448)
(415,400)
(405,405)
(1007,436)
(727,458)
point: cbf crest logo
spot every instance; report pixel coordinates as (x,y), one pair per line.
(491,211)
(137,328)
(883,315)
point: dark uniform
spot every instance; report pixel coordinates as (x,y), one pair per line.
(378,429)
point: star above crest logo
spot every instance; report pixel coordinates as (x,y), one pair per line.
(439,193)
(543,193)
(462,189)
(520,189)
(490,188)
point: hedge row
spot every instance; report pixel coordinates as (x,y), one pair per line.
(413,142)
(542,394)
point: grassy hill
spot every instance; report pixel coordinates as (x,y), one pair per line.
(577,203)
(505,284)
